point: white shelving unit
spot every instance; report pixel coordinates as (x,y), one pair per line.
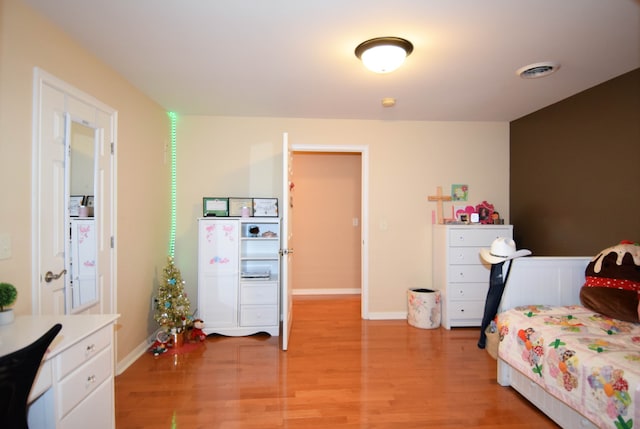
(239,275)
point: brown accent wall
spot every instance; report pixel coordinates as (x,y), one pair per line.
(575,171)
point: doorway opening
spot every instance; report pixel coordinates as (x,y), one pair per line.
(330,226)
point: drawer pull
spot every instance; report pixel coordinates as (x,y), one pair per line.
(91,379)
(90,348)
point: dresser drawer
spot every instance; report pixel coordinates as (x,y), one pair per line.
(96,409)
(259,293)
(84,350)
(466,310)
(81,382)
(477,237)
(465,256)
(467,291)
(259,315)
(469,274)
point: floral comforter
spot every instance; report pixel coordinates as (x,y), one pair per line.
(587,360)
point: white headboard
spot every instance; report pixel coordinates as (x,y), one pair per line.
(544,280)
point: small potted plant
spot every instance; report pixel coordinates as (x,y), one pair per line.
(8,295)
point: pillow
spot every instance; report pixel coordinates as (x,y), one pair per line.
(612,282)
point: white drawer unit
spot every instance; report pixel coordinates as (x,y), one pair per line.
(461,276)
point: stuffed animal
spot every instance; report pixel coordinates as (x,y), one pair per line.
(612,285)
(197,334)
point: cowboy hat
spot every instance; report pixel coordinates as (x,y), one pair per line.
(502,249)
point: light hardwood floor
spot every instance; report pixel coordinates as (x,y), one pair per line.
(339,372)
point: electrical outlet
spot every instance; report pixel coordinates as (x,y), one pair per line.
(154,303)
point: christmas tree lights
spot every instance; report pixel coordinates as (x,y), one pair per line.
(172,305)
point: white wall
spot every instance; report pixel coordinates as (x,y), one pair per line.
(231,156)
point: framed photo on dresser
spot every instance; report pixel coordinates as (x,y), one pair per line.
(75,201)
(265,207)
(215,207)
(236,206)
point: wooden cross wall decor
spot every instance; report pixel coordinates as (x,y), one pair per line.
(439,198)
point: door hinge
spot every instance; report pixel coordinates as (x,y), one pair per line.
(113,242)
(112,148)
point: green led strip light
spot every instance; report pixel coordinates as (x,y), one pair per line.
(172,238)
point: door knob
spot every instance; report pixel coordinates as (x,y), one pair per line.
(50,276)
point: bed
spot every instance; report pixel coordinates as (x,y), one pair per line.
(580,368)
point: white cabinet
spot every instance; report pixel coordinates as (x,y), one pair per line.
(74,388)
(238,275)
(459,273)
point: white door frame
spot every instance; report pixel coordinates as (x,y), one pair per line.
(364,216)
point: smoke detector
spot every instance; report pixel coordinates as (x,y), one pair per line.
(534,71)
(388,102)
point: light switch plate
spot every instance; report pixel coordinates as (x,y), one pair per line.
(5,246)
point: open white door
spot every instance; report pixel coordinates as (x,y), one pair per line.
(286,240)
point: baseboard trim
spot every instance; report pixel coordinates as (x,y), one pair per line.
(340,291)
(129,359)
(399,315)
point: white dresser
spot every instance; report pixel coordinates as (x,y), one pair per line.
(74,387)
(239,275)
(459,273)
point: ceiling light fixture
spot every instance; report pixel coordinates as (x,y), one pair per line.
(384,54)
(534,71)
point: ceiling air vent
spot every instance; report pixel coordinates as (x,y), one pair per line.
(534,71)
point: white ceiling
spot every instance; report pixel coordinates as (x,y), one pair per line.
(295,58)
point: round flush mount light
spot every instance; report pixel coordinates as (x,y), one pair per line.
(383,54)
(534,71)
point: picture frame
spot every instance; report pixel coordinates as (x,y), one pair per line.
(75,201)
(485,210)
(459,192)
(237,204)
(89,201)
(265,207)
(215,207)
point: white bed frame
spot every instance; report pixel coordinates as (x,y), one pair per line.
(545,281)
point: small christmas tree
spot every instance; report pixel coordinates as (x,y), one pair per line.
(172,307)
